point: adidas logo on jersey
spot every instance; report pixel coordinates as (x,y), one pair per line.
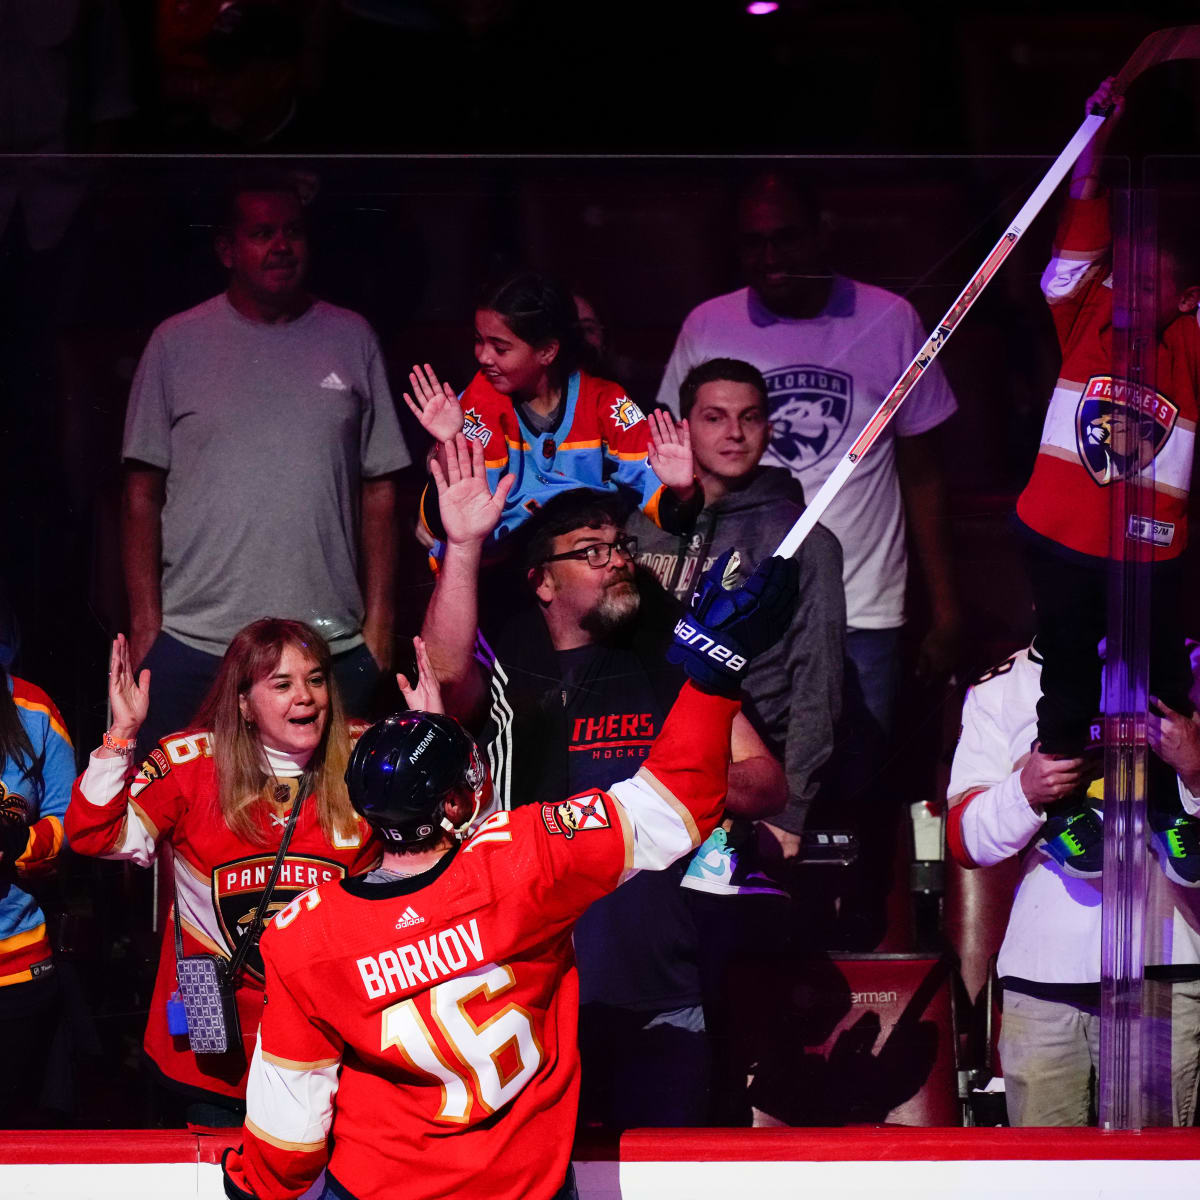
(410,916)
(333,382)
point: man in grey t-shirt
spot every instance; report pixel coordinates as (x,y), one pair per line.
(260,448)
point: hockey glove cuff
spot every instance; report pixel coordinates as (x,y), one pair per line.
(726,626)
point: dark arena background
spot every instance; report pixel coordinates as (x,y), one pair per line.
(444,143)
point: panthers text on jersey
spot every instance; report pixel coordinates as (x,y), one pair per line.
(431,1021)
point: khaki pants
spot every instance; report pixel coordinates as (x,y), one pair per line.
(1051,1052)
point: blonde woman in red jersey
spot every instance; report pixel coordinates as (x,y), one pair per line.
(270,734)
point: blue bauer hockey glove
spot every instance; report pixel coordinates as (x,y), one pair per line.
(725,627)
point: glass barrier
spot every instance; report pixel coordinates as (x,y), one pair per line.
(1147,1074)
(852,964)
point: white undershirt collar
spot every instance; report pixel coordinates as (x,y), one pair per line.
(282,763)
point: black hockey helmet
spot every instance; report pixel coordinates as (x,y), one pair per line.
(404,767)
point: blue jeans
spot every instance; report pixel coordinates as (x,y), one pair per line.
(873,658)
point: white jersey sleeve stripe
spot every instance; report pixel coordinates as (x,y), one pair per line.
(1066,275)
(660,834)
(291,1109)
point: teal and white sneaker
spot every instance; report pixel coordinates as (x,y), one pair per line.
(715,867)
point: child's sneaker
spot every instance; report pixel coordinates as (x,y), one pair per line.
(1175,838)
(1074,837)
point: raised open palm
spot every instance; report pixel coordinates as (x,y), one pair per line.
(128,697)
(469,508)
(670,451)
(435,404)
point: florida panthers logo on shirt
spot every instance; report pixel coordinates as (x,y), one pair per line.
(810,409)
(474,429)
(1120,429)
(626,413)
(237,888)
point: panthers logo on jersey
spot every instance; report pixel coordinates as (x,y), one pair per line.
(1118,431)
(626,413)
(474,429)
(237,888)
(810,409)
(155,767)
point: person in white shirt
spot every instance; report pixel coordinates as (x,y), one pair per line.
(1001,786)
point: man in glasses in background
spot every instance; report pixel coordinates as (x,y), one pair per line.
(570,694)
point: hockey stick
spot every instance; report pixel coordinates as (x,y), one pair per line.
(1183,41)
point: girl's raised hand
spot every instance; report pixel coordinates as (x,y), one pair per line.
(435,405)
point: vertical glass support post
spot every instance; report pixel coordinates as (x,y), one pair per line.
(1124,1057)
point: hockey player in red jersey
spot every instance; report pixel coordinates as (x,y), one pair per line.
(431,1005)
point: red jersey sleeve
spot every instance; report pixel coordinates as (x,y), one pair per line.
(289,1095)
(111,816)
(588,844)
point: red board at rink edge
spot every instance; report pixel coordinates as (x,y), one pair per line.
(905,1144)
(856,1144)
(101,1146)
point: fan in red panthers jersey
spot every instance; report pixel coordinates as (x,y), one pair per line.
(432,1005)
(269,736)
(1098,431)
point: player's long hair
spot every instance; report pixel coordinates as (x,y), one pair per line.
(244,791)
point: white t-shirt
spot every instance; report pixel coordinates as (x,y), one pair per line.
(825,377)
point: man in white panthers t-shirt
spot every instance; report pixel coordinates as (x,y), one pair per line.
(830,349)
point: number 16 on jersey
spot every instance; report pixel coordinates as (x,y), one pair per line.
(488,1063)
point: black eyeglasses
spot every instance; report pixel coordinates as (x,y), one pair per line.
(598,554)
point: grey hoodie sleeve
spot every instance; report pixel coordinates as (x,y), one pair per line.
(793,693)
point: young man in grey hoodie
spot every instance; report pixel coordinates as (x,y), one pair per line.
(792,693)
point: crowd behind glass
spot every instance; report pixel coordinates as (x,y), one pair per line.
(301,493)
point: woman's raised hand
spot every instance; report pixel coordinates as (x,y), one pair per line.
(426,694)
(128,697)
(670,451)
(435,405)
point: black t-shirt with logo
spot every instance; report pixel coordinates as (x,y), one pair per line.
(637,947)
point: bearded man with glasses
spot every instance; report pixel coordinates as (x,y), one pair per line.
(569,695)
